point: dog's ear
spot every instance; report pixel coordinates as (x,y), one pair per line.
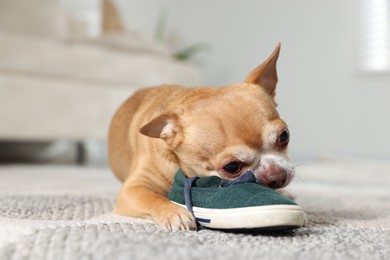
(265,75)
(163,126)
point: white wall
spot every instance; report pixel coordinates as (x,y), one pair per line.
(332,108)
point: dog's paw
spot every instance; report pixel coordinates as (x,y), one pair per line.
(175,218)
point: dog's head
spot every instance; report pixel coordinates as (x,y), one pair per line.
(230,130)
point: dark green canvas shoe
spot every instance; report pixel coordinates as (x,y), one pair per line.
(241,204)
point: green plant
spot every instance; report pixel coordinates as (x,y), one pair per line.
(179,53)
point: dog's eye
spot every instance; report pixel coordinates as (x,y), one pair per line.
(233,167)
(284,138)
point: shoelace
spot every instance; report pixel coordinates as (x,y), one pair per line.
(189,182)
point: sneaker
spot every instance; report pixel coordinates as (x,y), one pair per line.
(240,204)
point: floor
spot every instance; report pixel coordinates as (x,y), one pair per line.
(65,212)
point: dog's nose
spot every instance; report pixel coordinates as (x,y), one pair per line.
(274,177)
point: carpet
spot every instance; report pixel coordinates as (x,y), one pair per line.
(64,212)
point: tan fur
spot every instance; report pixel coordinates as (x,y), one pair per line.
(159,130)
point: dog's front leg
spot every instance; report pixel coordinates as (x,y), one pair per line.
(136,199)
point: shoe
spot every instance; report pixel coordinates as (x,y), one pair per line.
(238,205)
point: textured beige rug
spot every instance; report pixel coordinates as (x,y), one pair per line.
(52,212)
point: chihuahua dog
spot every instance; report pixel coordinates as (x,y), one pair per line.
(204,131)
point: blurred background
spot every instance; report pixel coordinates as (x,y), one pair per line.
(66,65)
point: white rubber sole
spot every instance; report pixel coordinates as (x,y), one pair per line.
(260,217)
